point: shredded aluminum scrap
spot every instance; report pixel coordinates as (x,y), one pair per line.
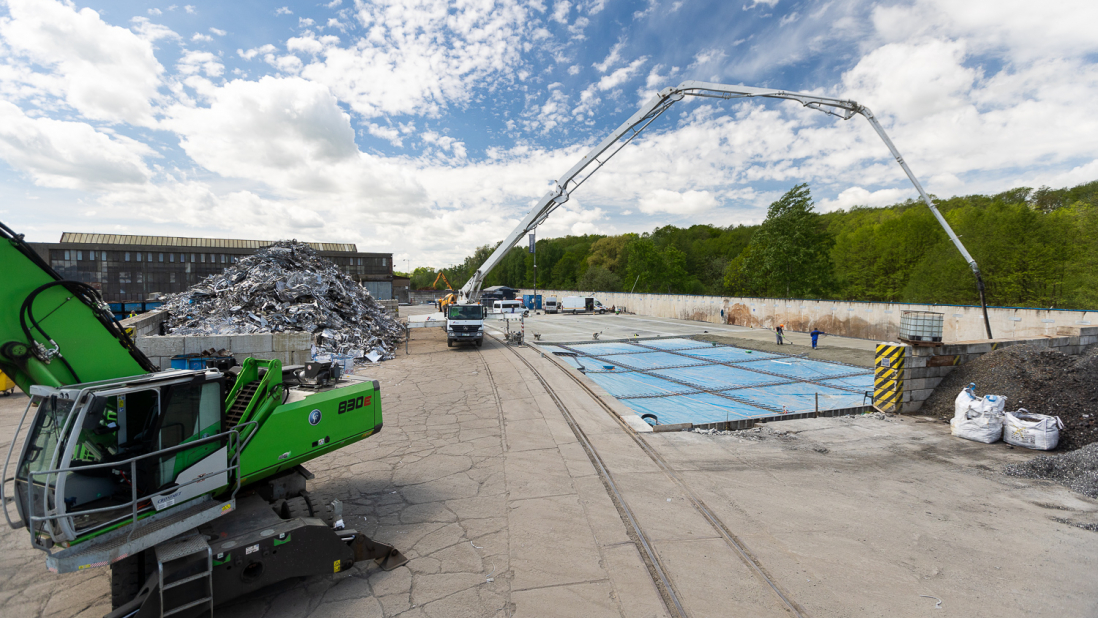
(287,287)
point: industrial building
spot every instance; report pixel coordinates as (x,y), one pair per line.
(138,268)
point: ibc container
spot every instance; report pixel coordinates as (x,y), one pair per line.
(921,326)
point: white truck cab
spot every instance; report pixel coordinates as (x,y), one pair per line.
(550,305)
(465,324)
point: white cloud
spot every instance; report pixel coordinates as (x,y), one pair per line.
(611,59)
(283,11)
(305,22)
(417,60)
(857,196)
(198,36)
(621,75)
(104,72)
(788,19)
(255,51)
(334,3)
(560,11)
(218,31)
(155,12)
(195,62)
(190,9)
(675,203)
(574,69)
(70,155)
(754,3)
(150,32)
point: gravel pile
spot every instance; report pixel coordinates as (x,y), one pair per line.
(1077,470)
(1035,378)
(287,287)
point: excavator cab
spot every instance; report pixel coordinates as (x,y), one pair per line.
(103,456)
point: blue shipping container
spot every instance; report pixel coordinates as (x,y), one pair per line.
(529,301)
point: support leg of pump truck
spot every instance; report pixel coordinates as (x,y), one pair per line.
(237,554)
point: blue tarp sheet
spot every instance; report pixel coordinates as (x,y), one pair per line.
(666,384)
(717,377)
(728,354)
(651,360)
(675,344)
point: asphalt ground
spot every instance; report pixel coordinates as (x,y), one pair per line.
(481,479)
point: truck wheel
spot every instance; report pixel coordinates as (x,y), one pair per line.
(449,343)
(296,507)
(480,343)
(126,580)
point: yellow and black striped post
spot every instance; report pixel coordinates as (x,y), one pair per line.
(888,377)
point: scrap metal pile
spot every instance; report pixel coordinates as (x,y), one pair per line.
(287,287)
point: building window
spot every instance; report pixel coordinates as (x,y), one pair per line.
(140,277)
(360,261)
(192,258)
(79,255)
(67,258)
(202,257)
(150,256)
(91,255)
(222,258)
(171,258)
(123,277)
(182,258)
(138,256)
(384,261)
(161,257)
(171,277)
(127,256)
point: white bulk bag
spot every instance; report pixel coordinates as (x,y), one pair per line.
(965,401)
(974,425)
(1035,431)
(993,404)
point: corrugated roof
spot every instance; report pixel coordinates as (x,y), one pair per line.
(181,241)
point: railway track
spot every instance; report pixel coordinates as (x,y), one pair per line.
(636,532)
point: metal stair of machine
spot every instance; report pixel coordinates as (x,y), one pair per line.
(243,398)
(185,560)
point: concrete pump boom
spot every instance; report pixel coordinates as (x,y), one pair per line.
(656,106)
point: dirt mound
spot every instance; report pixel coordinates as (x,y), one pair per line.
(1035,378)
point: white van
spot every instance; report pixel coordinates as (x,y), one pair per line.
(582,304)
(550,304)
(508,306)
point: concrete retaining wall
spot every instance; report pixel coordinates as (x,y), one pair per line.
(879,321)
(926,366)
(290,348)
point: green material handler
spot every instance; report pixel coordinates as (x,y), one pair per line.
(189,484)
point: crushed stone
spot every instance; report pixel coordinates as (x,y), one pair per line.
(1077,470)
(285,287)
(1035,378)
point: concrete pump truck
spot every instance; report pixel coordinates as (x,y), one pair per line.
(188,484)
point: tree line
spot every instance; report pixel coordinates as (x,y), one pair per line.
(1035,248)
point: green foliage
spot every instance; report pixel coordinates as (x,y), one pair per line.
(789,255)
(1034,247)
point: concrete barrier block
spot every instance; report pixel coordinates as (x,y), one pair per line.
(281,356)
(978,348)
(1088,331)
(917,361)
(918,395)
(911,406)
(1056,342)
(300,357)
(160,346)
(196,344)
(251,343)
(288,342)
(1088,340)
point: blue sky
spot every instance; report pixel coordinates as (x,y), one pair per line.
(427,128)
